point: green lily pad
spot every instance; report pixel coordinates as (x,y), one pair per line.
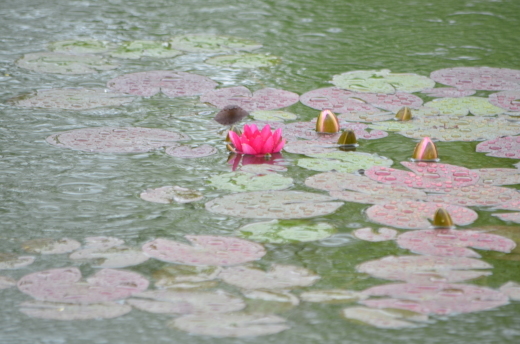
(65,311)
(332,296)
(244,181)
(206,43)
(382,318)
(138,49)
(61,63)
(343,161)
(50,246)
(463,106)
(88,46)
(286,231)
(273,115)
(244,60)
(9,261)
(394,126)
(382,81)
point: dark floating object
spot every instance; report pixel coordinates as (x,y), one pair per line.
(404,114)
(327,122)
(425,151)
(230,115)
(442,219)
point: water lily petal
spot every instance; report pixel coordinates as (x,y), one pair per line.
(279,146)
(266,132)
(277,135)
(247,149)
(268,146)
(257,143)
(235,139)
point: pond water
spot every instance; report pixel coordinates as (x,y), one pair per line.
(52,192)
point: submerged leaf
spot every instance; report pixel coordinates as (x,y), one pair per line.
(285,231)
(111,257)
(6,282)
(169,194)
(244,181)
(61,63)
(244,60)
(9,261)
(67,311)
(50,246)
(207,43)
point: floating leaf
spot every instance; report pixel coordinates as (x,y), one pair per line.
(380,318)
(186,276)
(478,78)
(307,130)
(244,181)
(88,46)
(6,282)
(436,298)
(382,81)
(502,147)
(277,277)
(10,261)
(264,99)
(273,116)
(509,100)
(189,152)
(365,116)
(462,106)
(274,205)
(347,162)
(448,92)
(425,269)
(205,250)
(169,194)
(309,147)
(206,43)
(453,243)
(244,60)
(479,195)
(512,290)
(66,311)
(285,231)
(332,296)
(111,257)
(50,246)
(65,285)
(498,176)
(262,168)
(514,217)
(71,99)
(102,242)
(61,63)
(138,49)
(230,325)
(383,234)
(172,84)
(116,140)
(271,296)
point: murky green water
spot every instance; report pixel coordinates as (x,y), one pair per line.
(55,193)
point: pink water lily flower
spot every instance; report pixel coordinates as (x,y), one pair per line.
(256,142)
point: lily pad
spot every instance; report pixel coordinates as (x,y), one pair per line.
(425,269)
(453,243)
(231,325)
(61,63)
(502,147)
(509,100)
(478,78)
(65,285)
(170,83)
(273,116)
(382,81)
(332,296)
(244,181)
(10,261)
(72,99)
(111,257)
(244,60)
(365,116)
(271,296)
(205,250)
(498,176)
(50,246)
(274,205)
(462,106)
(512,290)
(264,99)
(309,147)
(389,319)
(448,92)
(169,194)
(277,277)
(67,311)
(102,242)
(347,162)
(307,130)
(116,140)
(189,152)
(480,195)
(6,282)
(206,43)
(262,168)
(88,46)
(514,217)
(186,276)
(138,49)
(286,231)
(383,234)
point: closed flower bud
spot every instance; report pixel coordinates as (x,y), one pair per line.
(327,122)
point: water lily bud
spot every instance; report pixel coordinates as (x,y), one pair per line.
(327,122)
(425,151)
(347,138)
(442,219)
(231,114)
(404,114)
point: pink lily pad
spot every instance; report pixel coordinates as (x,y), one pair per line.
(365,116)
(415,215)
(448,92)
(381,318)
(382,81)
(169,194)
(425,269)
(116,140)
(264,99)
(436,298)
(478,78)
(479,195)
(498,176)
(382,234)
(10,261)
(502,147)
(67,311)
(205,250)
(509,100)
(50,246)
(172,84)
(65,285)
(514,217)
(307,130)
(342,101)
(189,152)
(512,290)
(110,257)
(453,243)
(6,282)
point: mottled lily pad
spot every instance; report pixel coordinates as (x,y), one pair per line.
(264,99)
(462,106)
(231,325)
(382,234)
(478,78)
(186,276)
(169,194)
(514,217)
(67,311)
(347,162)
(436,298)
(381,318)
(382,81)
(273,116)
(61,63)
(244,60)
(111,257)
(244,181)
(448,92)
(262,168)
(425,269)
(309,147)
(509,100)
(50,246)
(502,147)
(172,84)
(7,282)
(274,205)
(205,250)
(286,231)
(65,285)
(512,290)
(366,116)
(88,46)
(206,43)
(116,140)
(332,296)
(10,261)
(277,277)
(307,130)
(498,176)
(72,99)
(453,243)
(102,242)
(271,296)
(479,195)
(138,49)
(189,152)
